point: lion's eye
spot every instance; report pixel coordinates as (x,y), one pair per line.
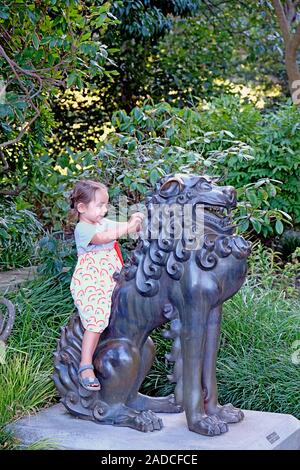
(204,186)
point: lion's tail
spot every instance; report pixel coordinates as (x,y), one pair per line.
(67,357)
(78,401)
(66,364)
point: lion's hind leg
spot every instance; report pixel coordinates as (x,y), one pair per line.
(142,402)
(117,362)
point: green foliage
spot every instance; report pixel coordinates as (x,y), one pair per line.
(229,40)
(131,41)
(53,32)
(155,140)
(19,229)
(254,209)
(182,78)
(56,253)
(82,117)
(144,19)
(233,113)
(46,46)
(46,191)
(220,60)
(21,394)
(47,187)
(42,306)
(275,140)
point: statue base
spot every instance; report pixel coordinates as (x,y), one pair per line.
(258,431)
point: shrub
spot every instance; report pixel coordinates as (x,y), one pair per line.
(19,229)
(275,141)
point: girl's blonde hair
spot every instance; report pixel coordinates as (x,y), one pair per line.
(84,191)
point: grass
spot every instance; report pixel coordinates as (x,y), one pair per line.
(25,378)
(255,368)
(42,307)
(9,442)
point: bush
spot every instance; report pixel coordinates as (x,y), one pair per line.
(19,229)
(275,140)
(153,140)
(56,253)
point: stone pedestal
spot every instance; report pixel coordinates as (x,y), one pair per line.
(258,430)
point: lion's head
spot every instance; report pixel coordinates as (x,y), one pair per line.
(153,255)
(183,189)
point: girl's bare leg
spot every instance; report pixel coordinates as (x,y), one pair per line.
(89,343)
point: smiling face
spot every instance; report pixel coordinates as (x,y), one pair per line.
(95,210)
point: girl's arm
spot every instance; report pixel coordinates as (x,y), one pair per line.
(120,229)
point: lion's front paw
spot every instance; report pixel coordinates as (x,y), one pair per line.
(147,421)
(209,426)
(227,413)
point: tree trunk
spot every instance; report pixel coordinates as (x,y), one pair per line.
(286,15)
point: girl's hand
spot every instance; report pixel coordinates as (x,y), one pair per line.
(134,225)
(139,215)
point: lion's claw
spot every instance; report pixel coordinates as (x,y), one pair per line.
(147,421)
(227,413)
(209,426)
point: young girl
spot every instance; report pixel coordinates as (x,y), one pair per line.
(99,256)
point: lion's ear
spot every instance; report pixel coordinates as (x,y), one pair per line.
(171,187)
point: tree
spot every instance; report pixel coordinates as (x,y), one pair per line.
(141,24)
(131,41)
(288,17)
(45,46)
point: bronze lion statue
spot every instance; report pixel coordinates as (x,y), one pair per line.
(171,280)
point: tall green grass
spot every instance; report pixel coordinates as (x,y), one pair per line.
(42,307)
(255,367)
(24,384)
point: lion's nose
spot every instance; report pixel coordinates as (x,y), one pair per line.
(230,192)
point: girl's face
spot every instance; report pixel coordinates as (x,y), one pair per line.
(96,209)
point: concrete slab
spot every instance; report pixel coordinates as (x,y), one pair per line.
(10,280)
(258,430)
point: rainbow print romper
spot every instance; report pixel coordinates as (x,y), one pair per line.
(92,283)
